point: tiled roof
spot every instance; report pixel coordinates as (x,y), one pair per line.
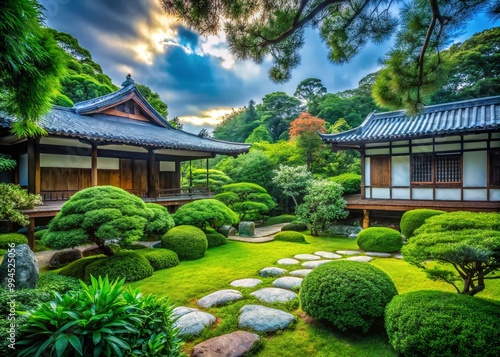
(476,115)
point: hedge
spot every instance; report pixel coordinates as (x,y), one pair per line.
(215,239)
(380,239)
(290,236)
(8,238)
(188,242)
(160,258)
(297,227)
(351,183)
(126,264)
(77,268)
(411,220)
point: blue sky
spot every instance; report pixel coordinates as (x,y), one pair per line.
(196,76)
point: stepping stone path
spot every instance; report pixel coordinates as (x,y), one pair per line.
(353,235)
(315,264)
(191,321)
(263,319)
(307,257)
(362,259)
(272,271)
(301,272)
(246,283)
(328,255)
(348,252)
(379,254)
(288,261)
(235,344)
(398,256)
(288,282)
(272,295)
(221,297)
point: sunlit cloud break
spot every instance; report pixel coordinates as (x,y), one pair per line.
(210,117)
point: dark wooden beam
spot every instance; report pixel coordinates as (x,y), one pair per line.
(93,166)
(34,165)
(152,189)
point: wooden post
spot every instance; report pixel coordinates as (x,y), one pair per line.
(152,191)
(190,175)
(33,165)
(94,166)
(31,234)
(366,218)
(363,174)
(176,177)
(208,189)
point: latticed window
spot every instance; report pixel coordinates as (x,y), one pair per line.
(495,168)
(436,169)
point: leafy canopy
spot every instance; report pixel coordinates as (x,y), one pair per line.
(294,181)
(13,199)
(205,213)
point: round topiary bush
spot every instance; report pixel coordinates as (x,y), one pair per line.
(215,239)
(39,234)
(380,239)
(125,264)
(160,258)
(349,294)
(297,227)
(437,323)
(8,238)
(290,236)
(77,268)
(351,183)
(188,242)
(411,220)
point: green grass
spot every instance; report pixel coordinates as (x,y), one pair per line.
(284,218)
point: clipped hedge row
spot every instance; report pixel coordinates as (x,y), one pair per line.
(380,239)
(297,227)
(290,236)
(412,220)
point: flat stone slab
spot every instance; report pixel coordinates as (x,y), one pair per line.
(272,295)
(300,272)
(288,282)
(235,344)
(328,255)
(272,271)
(316,263)
(288,261)
(246,283)
(191,321)
(348,252)
(263,319)
(218,298)
(307,257)
(362,259)
(353,235)
(398,256)
(379,254)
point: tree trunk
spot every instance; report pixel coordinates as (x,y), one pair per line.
(314,232)
(107,250)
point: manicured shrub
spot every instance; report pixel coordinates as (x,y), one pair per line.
(283,218)
(8,238)
(56,282)
(351,183)
(351,295)
(126,264)
(40,247)
(443,324)
(102,319)
(77,268)
(380,239)
(297,227)
(160,258)
(13,198)
(39,234)
(290,236)
(188,242)
(160,223)
(64,257)
(411,220)
(215,239)
(205,214)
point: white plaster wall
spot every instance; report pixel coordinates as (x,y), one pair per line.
(23,170)
(401,150)
(475,168)
(475,194)
(383,193)
(373,152)
(422,194)
(367,192)
(367,171)
(495,144)
(495,194)
(167,166)
(476,137)
(448,194)
(448,147)
(421,149)
(445,139)
(478,145)
(401,193)
(400,171)
(78,162)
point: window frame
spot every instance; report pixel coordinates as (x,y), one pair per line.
(493,182)
(434,170)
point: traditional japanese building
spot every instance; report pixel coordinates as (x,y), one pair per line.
(447,157)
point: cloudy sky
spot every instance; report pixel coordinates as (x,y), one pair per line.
(196,76)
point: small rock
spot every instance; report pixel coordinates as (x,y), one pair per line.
(307,257)
(288,261)
(246,283)
(157,245)
(353,235)
(362,259)
(344,230)
(301,272)
(181,311)
(235,344)
(328,255)
(91,251)
(398,256)
(379,254)
(288,282)
(272,271)
(64,257)
(219,298)
(316,263)
(193,322)
(348,252)
(272,295)
(264,319)
(246,229)
(26,268)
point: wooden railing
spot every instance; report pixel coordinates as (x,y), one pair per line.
(57,195)
(183,191)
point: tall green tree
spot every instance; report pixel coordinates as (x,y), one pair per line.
(310,90)
(154,99)
(278,110)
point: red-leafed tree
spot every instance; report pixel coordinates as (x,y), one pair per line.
(304,131)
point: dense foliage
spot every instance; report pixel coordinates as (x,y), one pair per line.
(101,319)
(205,213)
(9,238)
(350,295)
(442,324)
(249,200)
(468,242)
(290,236)
(127,265)
(189,242)
(350,182)
(413,219)
(297,227)
(77,268)
(293,181)
(160,223)
(160,258)
(198,178)
(380,239)
(97,215)
(215,239)
(322,204)
(12,199)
